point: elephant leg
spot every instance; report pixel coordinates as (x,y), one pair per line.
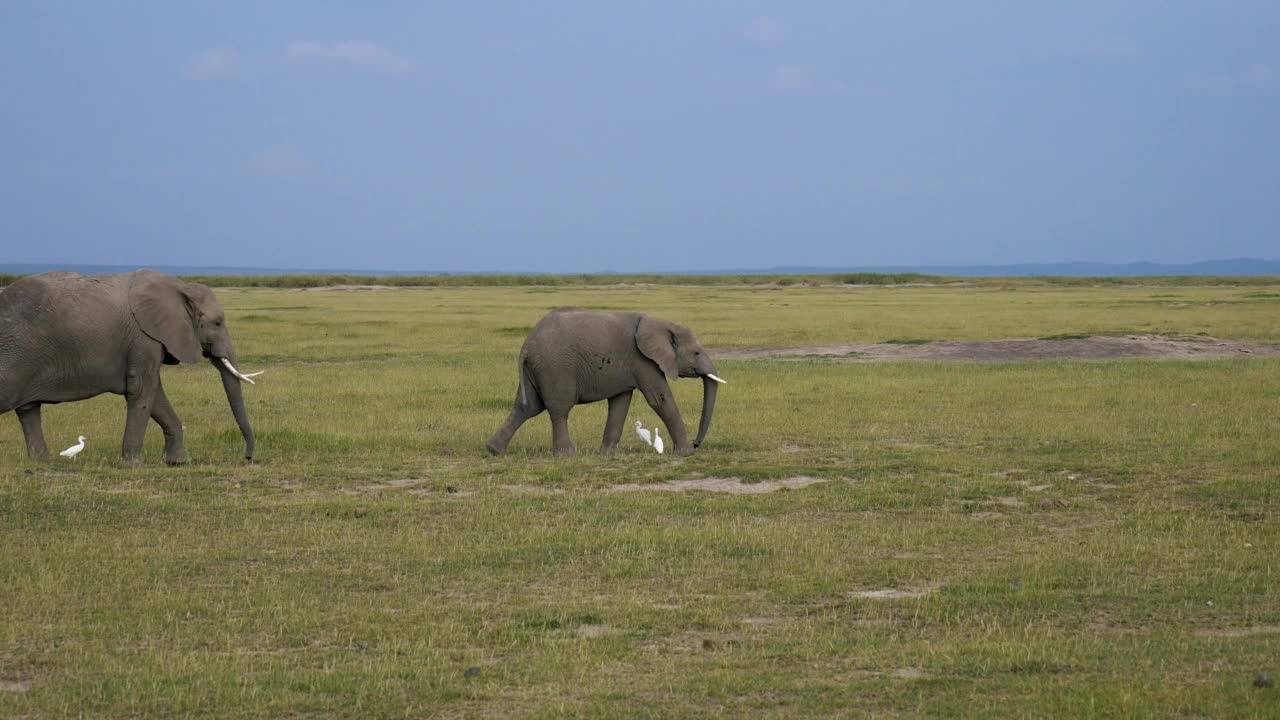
(140,399)
(618,406)
(560,441)
(520,412)
(29,416)
(175,451)
(664,405)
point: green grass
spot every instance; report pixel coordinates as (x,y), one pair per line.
(1059,528)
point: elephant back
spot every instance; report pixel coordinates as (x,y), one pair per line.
(44,301)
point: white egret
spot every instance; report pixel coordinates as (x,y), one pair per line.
(644,434)
(74,450)
(657,440)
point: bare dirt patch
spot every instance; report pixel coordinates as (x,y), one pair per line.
(15,686)
(1099,347)
(1239,632)
(394,484)
(731,485)
(594,631)
(1007,501)
(689,643)
(532,489)
(891,593)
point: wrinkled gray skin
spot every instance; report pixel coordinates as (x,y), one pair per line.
(67,337)
(575,356)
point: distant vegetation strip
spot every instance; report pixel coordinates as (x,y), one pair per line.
(564,280)
(317,280)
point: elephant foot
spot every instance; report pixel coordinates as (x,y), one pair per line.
(131,456)
(566,452)
(38,452)
(178,458)
(493,449)
(688,450)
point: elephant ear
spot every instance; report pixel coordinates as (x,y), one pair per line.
(656,339)
(163,310)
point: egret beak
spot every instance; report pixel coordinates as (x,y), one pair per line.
(713,376)
(237,373)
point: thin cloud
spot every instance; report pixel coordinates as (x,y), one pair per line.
(218,62)
(1109,47)
(790,79)
(352,52)
(765,32)
(278,161)
(1254,77)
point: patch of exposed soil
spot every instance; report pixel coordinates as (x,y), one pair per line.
(594,631)
(403,482)
(533,489)
(1098,347)
(1238,632)
(693,643)
(891,593)
(15,686)
(393,484)
(731,485)
(1008,501)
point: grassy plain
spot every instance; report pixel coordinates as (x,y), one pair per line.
(1007,539)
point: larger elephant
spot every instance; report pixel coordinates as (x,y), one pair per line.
(67,337)
(575,356)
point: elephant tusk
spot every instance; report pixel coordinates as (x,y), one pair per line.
(717,379)
(237,373)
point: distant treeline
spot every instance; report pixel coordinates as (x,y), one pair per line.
(861,278)
(299,281)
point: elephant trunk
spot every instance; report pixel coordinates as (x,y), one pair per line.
(709,390)
(231,384)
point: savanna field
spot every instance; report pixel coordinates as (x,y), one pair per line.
(994,539)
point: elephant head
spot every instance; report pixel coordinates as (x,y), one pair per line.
(679,354)
(189,322)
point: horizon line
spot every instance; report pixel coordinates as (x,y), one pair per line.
(1039,268)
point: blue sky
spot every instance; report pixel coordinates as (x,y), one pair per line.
(585,136)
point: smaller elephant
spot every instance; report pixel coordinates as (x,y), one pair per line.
(67,337)
(575,356)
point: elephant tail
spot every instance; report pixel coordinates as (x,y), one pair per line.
(525,383)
